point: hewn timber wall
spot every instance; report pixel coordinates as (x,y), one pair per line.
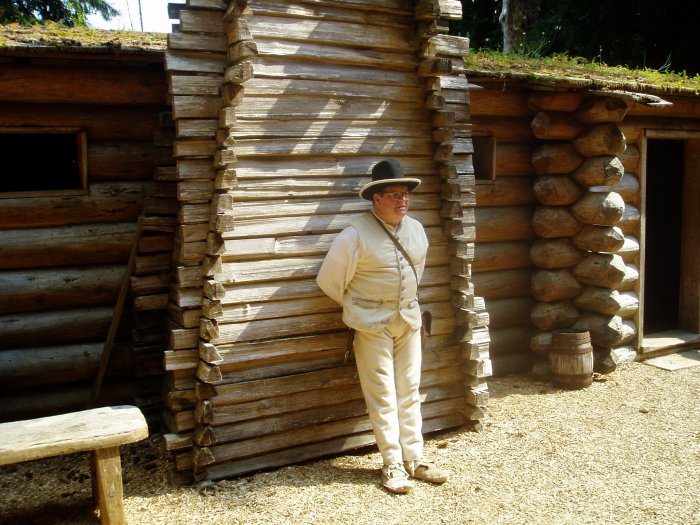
(63,258)
(281,109)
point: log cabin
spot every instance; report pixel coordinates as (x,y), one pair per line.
(176,269)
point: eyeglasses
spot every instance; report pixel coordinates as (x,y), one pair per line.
(398,195)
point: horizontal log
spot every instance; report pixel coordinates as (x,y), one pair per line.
(554,285)
(102,123)
(504,224)
(555,253)
(628,188)
(604,170)
(107,202)
(554,221)
(53,365)
(600,269)
(336,55)
(601,208)
(630,158)
(606,330)
(508,340)
(24,291)
(605,301)
(499,102)
(504,255)
(319,449)
(339,33)
(509,312)
(367,129)
(545,100)
(56,84)
(505,191)
(550,316)
(555,158)
(556,190)
(555,126)
(66,245)
(594,238)
(600,139)
(502,284)
(329,146)
(266,68)
(34,402)
(629,304)
(597,110)
(513,159)
(35,329)
(327,106)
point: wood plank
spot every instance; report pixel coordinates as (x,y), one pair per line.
(334,33)
(315,450)
(80,432)
(335,55)
(368,129)
(276,68)
(327,106)
(352,11)
(309,93)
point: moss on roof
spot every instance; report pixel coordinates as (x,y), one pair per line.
(57,36)
(579,73)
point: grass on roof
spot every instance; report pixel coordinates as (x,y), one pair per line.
(565,67)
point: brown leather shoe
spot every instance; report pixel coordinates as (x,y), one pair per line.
(395,479)
(426,471)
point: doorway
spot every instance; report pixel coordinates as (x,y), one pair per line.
(663,237)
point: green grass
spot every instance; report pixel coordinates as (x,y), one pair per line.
(580,70)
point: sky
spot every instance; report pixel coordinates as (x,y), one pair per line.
(154,12)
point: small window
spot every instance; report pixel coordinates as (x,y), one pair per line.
(42,161)
(484,157)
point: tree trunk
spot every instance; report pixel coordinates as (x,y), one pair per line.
(512,20)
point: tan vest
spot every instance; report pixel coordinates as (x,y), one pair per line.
(384,285)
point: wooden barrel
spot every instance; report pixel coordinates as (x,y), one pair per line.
(571,358)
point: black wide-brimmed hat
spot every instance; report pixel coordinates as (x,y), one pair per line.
(387,173)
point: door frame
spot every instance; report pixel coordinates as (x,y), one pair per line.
(689,300)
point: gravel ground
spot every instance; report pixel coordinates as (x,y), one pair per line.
(625,450)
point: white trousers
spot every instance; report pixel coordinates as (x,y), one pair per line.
(389,367)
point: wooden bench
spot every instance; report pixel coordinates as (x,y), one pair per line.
(100,431)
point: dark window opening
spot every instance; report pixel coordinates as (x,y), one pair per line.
(41,161)
(484,157)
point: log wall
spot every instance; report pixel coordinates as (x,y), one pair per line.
(281,110)
(504,211)
(63,259)
(559,229)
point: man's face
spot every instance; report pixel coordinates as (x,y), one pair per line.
(388,208)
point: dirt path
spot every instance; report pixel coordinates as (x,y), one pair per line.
(624,450)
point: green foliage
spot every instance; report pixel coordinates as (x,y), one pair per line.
(69,12)
(644,34)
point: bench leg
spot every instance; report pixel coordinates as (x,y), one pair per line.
(107,489)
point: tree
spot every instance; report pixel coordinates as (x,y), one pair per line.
(632,33)
(70,12)
(512,19)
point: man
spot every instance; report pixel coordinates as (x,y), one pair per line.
(375,279)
